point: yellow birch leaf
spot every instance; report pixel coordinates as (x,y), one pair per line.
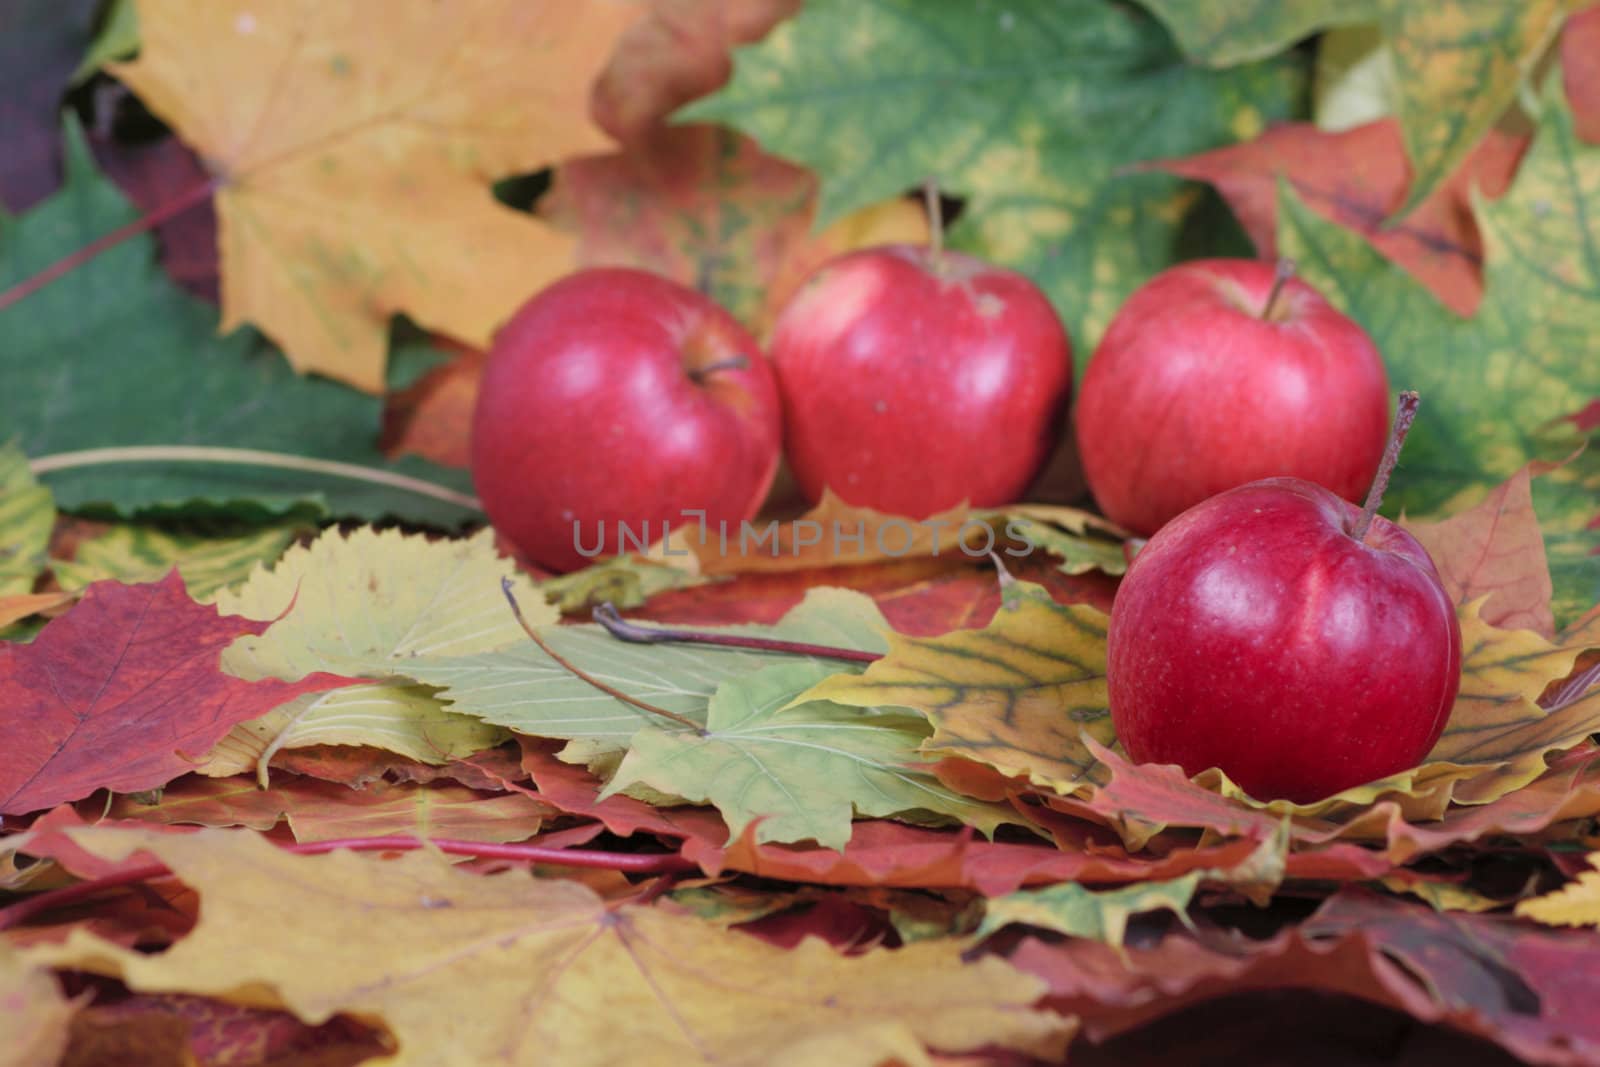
(509,969)
(353,145)
(1575,904)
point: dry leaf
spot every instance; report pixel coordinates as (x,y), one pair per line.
(1574,904)
(502,969)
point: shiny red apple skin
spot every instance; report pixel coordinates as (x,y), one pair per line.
(588,411)
(913,381)
(1190,392)
(1254,634)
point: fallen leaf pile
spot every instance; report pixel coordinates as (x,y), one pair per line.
(285,778)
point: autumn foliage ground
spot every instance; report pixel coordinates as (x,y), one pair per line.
(284,781)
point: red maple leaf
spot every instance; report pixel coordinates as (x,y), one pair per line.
(124,692)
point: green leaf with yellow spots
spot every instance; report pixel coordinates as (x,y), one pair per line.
(1018,694)
(27,515)
(1496,387)
(137,552)
(1222,34)
(1030,109)
(1458,65)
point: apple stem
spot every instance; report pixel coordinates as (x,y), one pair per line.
(611,691)
(930,200)
(1280,277)
(623,630)
(1405,414)
(698,375)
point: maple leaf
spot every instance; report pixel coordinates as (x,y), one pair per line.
(1357,178)
(680,50)
(27,515)
(33,1013)
(1457,64)
(1533,337)
(142,552)
(521,688)
(1496,550)
(342,153)
(1023,95)
(826,536)
(121,324)
(545,968)
(1019,695)
(1574,904)
(708,208)
(797,770)
(114,694)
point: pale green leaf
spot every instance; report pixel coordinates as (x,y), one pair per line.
(375,603)
(521,688)
(803,771)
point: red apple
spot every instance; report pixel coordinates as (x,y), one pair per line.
(1193,390)
(619,397)
(914,380)
(1256,633)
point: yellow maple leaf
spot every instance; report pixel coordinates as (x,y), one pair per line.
(1575,904)
(1018,695)
(508,969)
(353,144)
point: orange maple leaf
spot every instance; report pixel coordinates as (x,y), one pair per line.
(352,145)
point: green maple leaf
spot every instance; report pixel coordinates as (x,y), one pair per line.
(805,770)
(1032,109)
(114,354)
(1494,388)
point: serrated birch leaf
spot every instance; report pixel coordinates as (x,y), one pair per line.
(377,602)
